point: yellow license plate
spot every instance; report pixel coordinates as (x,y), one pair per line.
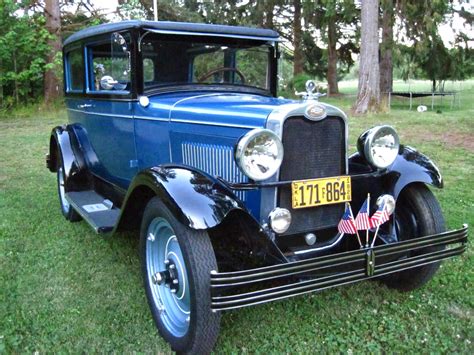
(317,192)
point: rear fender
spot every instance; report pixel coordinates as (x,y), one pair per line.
(63,143)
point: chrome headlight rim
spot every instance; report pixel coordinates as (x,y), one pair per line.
(367,139)
(244,142)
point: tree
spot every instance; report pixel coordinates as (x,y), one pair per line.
(53,25)
(386,65)
(368,96)
(337,22)
(298,63)
(22,64)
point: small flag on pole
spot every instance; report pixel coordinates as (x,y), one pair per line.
(346,224)
(362,220)
(380,216)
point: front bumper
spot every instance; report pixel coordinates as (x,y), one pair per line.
(230,290)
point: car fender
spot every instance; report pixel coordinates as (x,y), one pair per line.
(195,198)
(410,166)
(60,143)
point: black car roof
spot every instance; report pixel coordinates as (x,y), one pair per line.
(175,27)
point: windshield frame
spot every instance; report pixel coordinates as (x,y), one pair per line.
(221,40)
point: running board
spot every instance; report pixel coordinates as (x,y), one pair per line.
(95,209)
(230,290)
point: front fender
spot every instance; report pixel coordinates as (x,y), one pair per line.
(409,167)
(196,199)
(412,166)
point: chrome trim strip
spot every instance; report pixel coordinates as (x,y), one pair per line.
(151,118)
(213,123)
(275,122)
(191,98)
(207,123)
(100,114)
(187,33)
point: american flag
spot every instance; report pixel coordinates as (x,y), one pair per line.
(362,221)
(346,224)
(380,216)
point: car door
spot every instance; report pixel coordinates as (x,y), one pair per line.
(109,111)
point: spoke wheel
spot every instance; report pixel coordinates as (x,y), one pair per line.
(417,214)
(176,264)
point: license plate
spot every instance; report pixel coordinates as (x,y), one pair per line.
(317,192)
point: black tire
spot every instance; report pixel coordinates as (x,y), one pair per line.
(199,260)
(417,214)
(66,209)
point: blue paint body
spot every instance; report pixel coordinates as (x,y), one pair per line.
(125,137)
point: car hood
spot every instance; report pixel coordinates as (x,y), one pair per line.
(228,109)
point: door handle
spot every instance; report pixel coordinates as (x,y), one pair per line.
(84,106)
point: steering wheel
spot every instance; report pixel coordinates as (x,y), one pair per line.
(222,69)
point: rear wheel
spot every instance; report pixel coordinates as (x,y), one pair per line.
(417,214)
(67,210)
(176,264)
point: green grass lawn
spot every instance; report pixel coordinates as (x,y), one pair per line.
(65,289)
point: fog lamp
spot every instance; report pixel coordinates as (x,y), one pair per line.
(389,203)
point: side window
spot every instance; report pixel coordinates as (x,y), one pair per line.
(75,70)
(109,65)
(148,70)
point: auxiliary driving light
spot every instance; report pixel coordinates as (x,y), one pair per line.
(279,220)
(389,203)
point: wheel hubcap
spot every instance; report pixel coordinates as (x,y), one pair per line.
(167,277)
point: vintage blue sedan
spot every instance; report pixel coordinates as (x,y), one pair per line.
(240,197)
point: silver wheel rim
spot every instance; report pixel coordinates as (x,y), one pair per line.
(62,191)
(171,296)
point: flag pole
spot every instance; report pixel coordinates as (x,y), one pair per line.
(357,232)
(368,212)
(375,236)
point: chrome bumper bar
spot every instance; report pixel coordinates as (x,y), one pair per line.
(229,289)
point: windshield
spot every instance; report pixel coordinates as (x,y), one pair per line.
(186,60)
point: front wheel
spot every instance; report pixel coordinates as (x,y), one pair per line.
(417,214)
(176,264)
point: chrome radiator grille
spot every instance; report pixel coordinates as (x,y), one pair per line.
(216,160)
(313,149)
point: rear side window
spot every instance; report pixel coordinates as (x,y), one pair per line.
(75,70)
(109,65)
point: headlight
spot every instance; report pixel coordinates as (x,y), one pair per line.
(379,145)
(259,154)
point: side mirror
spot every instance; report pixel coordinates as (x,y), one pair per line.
(107,82)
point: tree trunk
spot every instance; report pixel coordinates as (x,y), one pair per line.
(368,97)
(53,24)
(386,65)
(1,83)
(332,58)
(15,70)
(297,39)
(269,14)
